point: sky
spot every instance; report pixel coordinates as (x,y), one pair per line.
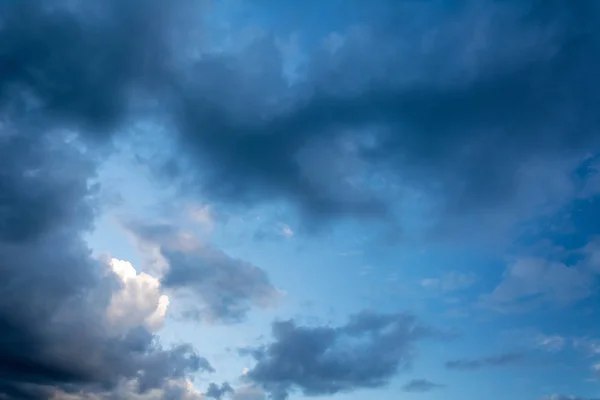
(268,200)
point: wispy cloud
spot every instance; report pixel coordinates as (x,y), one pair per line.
(493,361)
(420,386)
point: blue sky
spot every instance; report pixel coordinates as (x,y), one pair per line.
(260,200)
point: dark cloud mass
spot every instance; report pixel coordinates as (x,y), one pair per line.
(494,361)
(365,353)
(217,392)
(76,62)
(54,295)
(474,113)
(424,94)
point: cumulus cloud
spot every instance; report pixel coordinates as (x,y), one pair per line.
(367,352)
(225,288)
(420,386)
(139,302)
(493,361)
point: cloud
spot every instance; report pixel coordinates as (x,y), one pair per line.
(588,345)
(64,75)
(181,389)
(225,288)
(552,344)
(249,392)
(139,302)
(367,352)
(420,386)
(204,216)
(462,121)
(479,153)
(217,392)
(534,281)
(450,282)
(56,299)
(494,361)
(359,113)
(53,55)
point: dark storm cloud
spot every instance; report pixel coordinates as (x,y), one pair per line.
(471,103)
(225,288)
(420,386)
(54,295)
(78,61)
(67,69)
(365,353)
(217,392)
(495,361)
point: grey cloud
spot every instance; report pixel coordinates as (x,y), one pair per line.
(494,361)
(175,389)
(249,392)
(217,392)
(532,282)
(477,123)
(466,117)
(463,119)
(61,70)
(420,386)
(367,352)
(78,62)
(54,295)
(226,288)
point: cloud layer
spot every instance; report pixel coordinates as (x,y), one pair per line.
(487,108)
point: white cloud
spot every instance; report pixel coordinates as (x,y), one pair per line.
(552,344)
(138,302)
